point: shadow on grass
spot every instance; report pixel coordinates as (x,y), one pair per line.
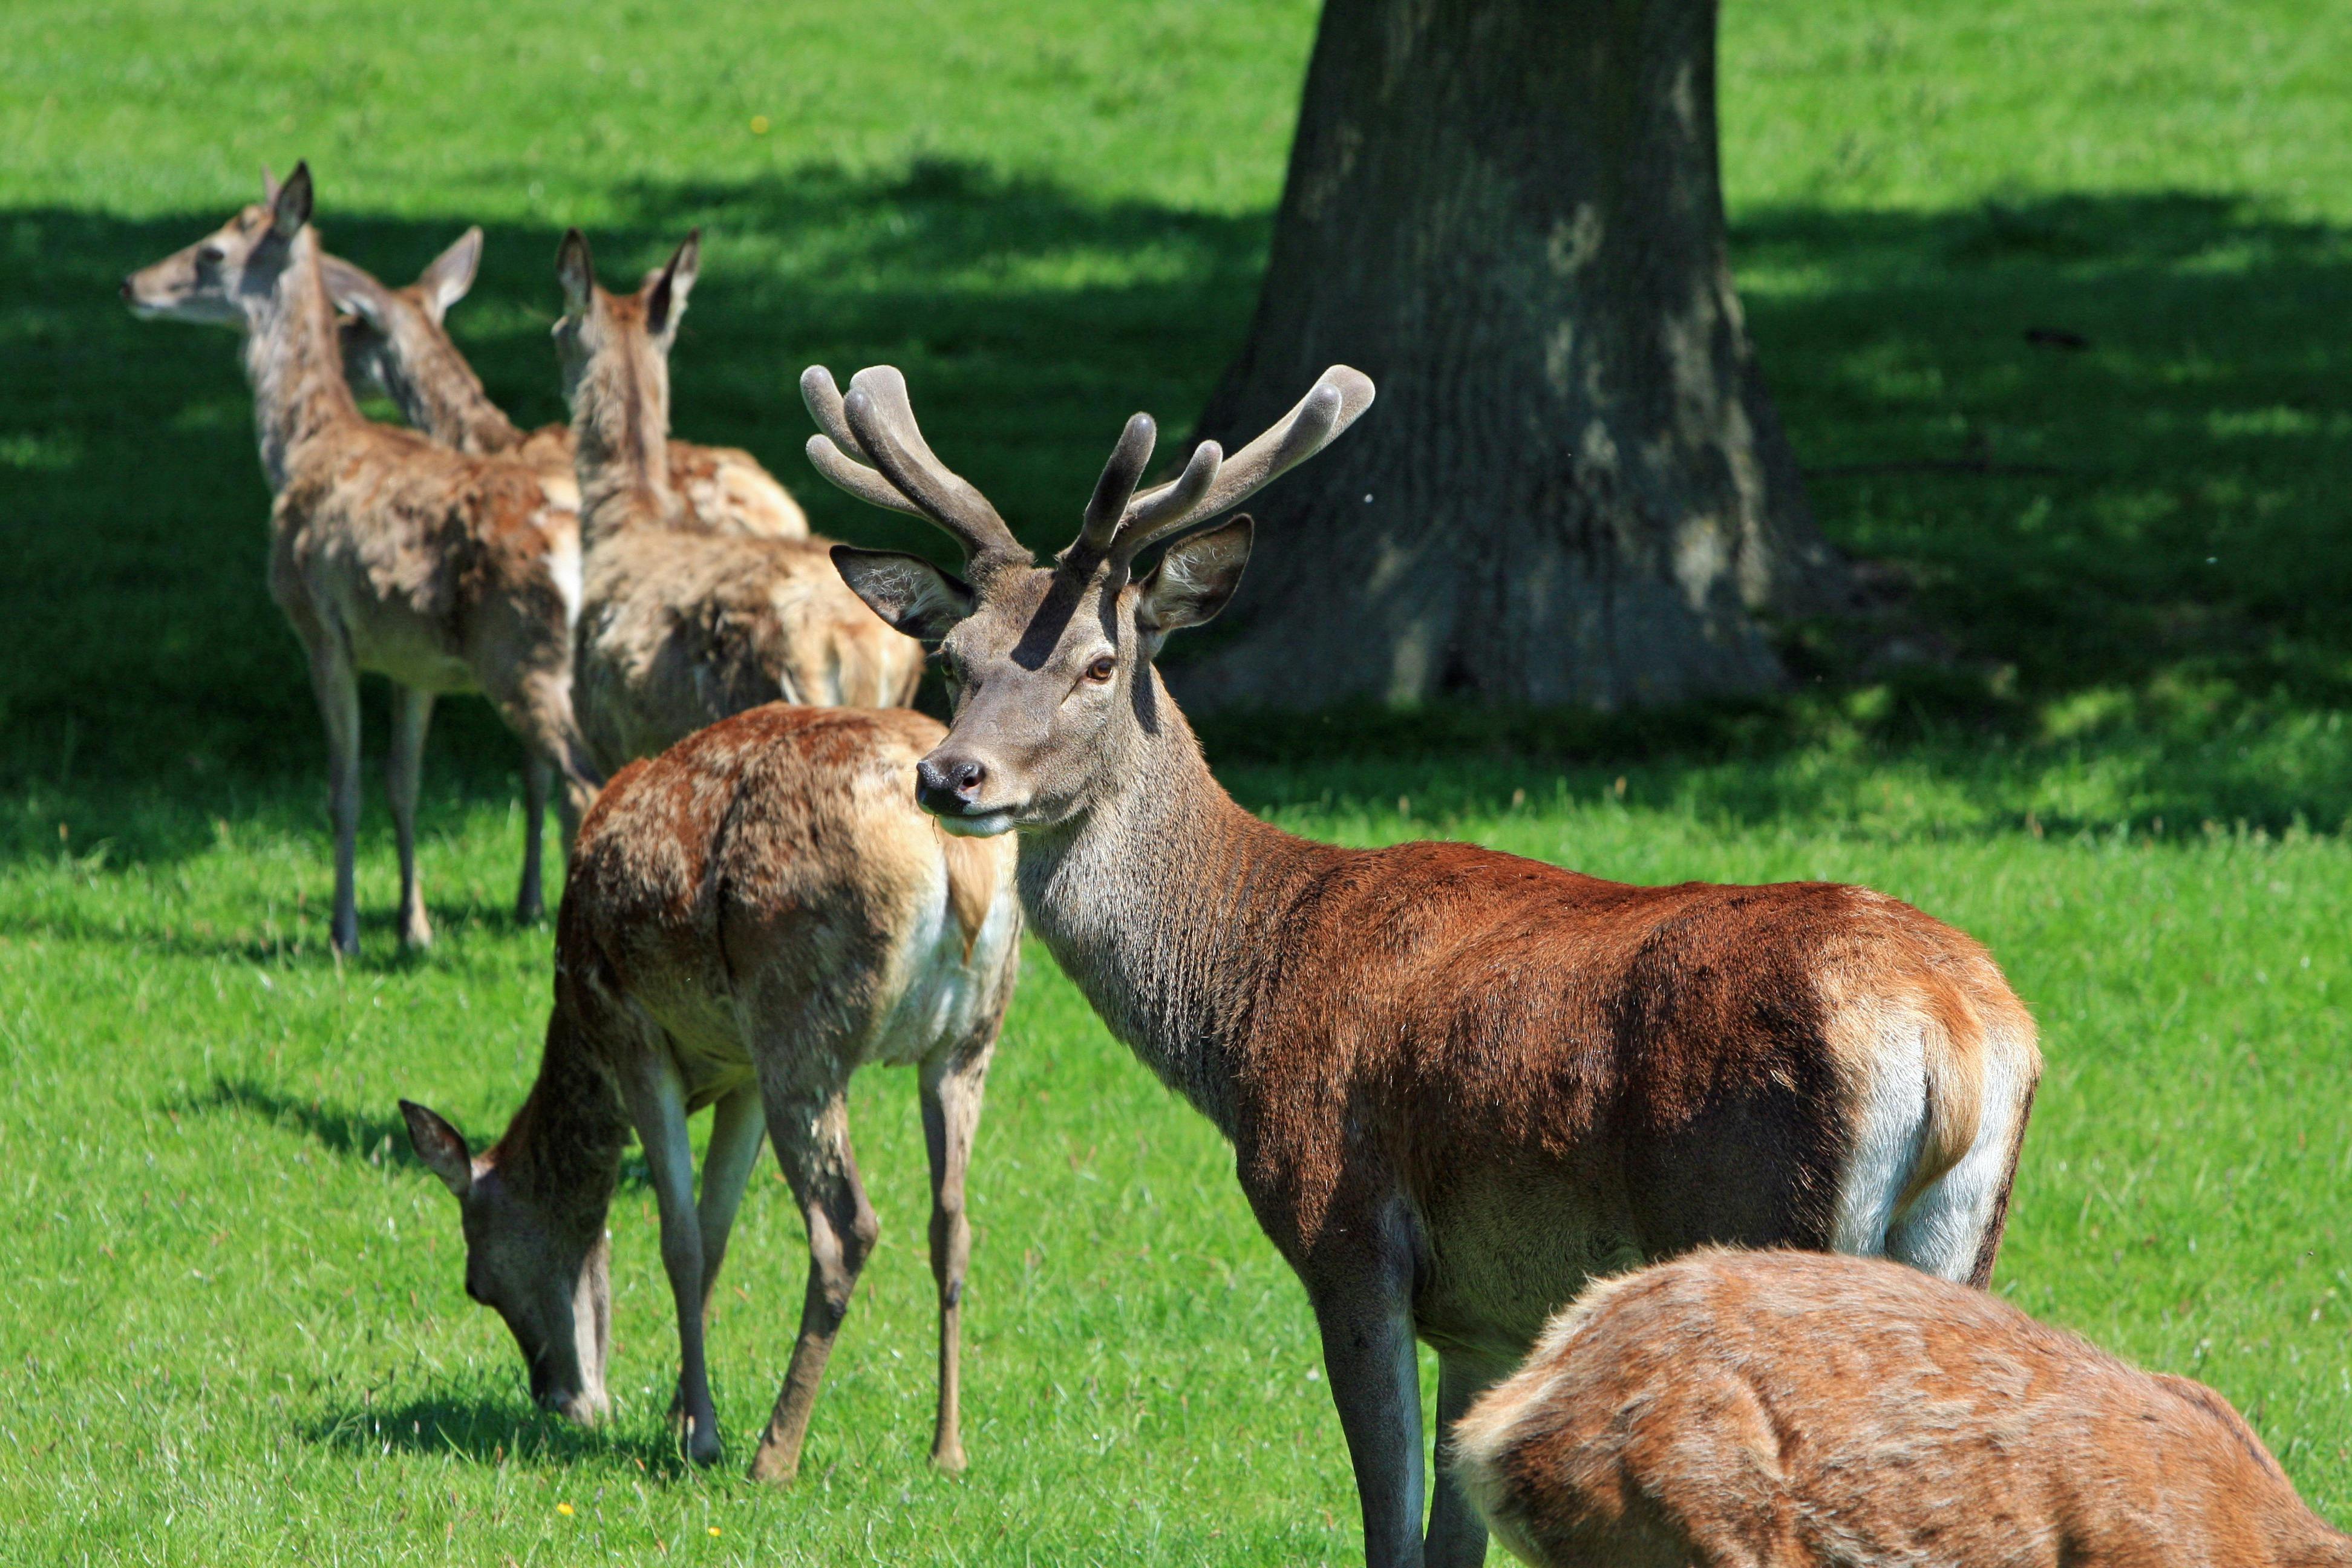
(2162,616)
(488,1431)
(366,1137)
(374,1140)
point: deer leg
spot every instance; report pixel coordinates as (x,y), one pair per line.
(812,1145)
(538,779)
(953,1084)
(738,1124)
(656,1097)
(336,684)
(411,714)
(1364,1311)
(1457,1536)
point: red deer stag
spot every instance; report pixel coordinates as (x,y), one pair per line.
(446,573)
(1791,1410)
(395,342)
(750,918)
(679,629)
(1459,1084)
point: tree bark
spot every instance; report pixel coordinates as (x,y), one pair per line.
(1573,488)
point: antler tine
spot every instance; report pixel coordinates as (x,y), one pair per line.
(1128,460)
(829,454)
(883,422)
(824,400)
(1209,486)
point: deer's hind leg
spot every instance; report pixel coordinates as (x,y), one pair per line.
(952,1085)
(412,715)
(810,1129)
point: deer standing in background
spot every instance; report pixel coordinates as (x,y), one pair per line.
(444,571)
(1458,1084)
(1788,1410)
(750,918)
(395,341)
(679,629)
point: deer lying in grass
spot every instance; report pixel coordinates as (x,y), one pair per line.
(1780,1408)
(446,573)
(679,629)
(395,342)
(1459,1084)
(750,918)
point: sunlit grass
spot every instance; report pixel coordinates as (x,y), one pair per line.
(2107,736)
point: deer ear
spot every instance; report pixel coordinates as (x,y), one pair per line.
(353,290)
(441,1146)
(907,590)
(445,281)
(666,300)
(576,270)
(1194,580)
(289,208)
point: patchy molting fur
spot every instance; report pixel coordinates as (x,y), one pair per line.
(388,554)
(680,628)
(750,917)
(1818,1412)
(1459,1084)
(395,341)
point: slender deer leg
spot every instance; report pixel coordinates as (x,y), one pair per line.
(812,1141)
(1457,1536)
(656,1097)
(337,686)
(738,1124)
(411,714)
(953,1084)
(1365,1316)
(538,778)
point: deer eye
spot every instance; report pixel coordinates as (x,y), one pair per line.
(210,255)
(1102,668)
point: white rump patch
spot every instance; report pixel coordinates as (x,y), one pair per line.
(1889,1133)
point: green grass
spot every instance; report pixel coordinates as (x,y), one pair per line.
(232,1330)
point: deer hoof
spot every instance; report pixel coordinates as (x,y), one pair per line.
(773,1466)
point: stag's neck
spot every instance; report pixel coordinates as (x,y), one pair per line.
(294,362)
(439,393)
(620,426)
(1166,903)
(564,1145)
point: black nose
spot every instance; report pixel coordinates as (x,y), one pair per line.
(949,786)
(126,287)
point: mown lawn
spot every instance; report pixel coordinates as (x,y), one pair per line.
(232,1329)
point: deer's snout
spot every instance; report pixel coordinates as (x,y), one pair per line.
(949,787)
(129,292)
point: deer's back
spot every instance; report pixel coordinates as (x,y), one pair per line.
(775,866)
(1563,1075)
(1797,1408)
(417,551)
(679,629)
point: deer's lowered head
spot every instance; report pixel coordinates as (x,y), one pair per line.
(230,275)
(1049,666)
(541,1262)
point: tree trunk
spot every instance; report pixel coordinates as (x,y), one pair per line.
(1573,488)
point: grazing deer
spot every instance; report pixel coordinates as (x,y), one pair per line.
(1791,1410)
(679,629)
(395,342)
(1458,1084)
(446,573)
(750,917)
